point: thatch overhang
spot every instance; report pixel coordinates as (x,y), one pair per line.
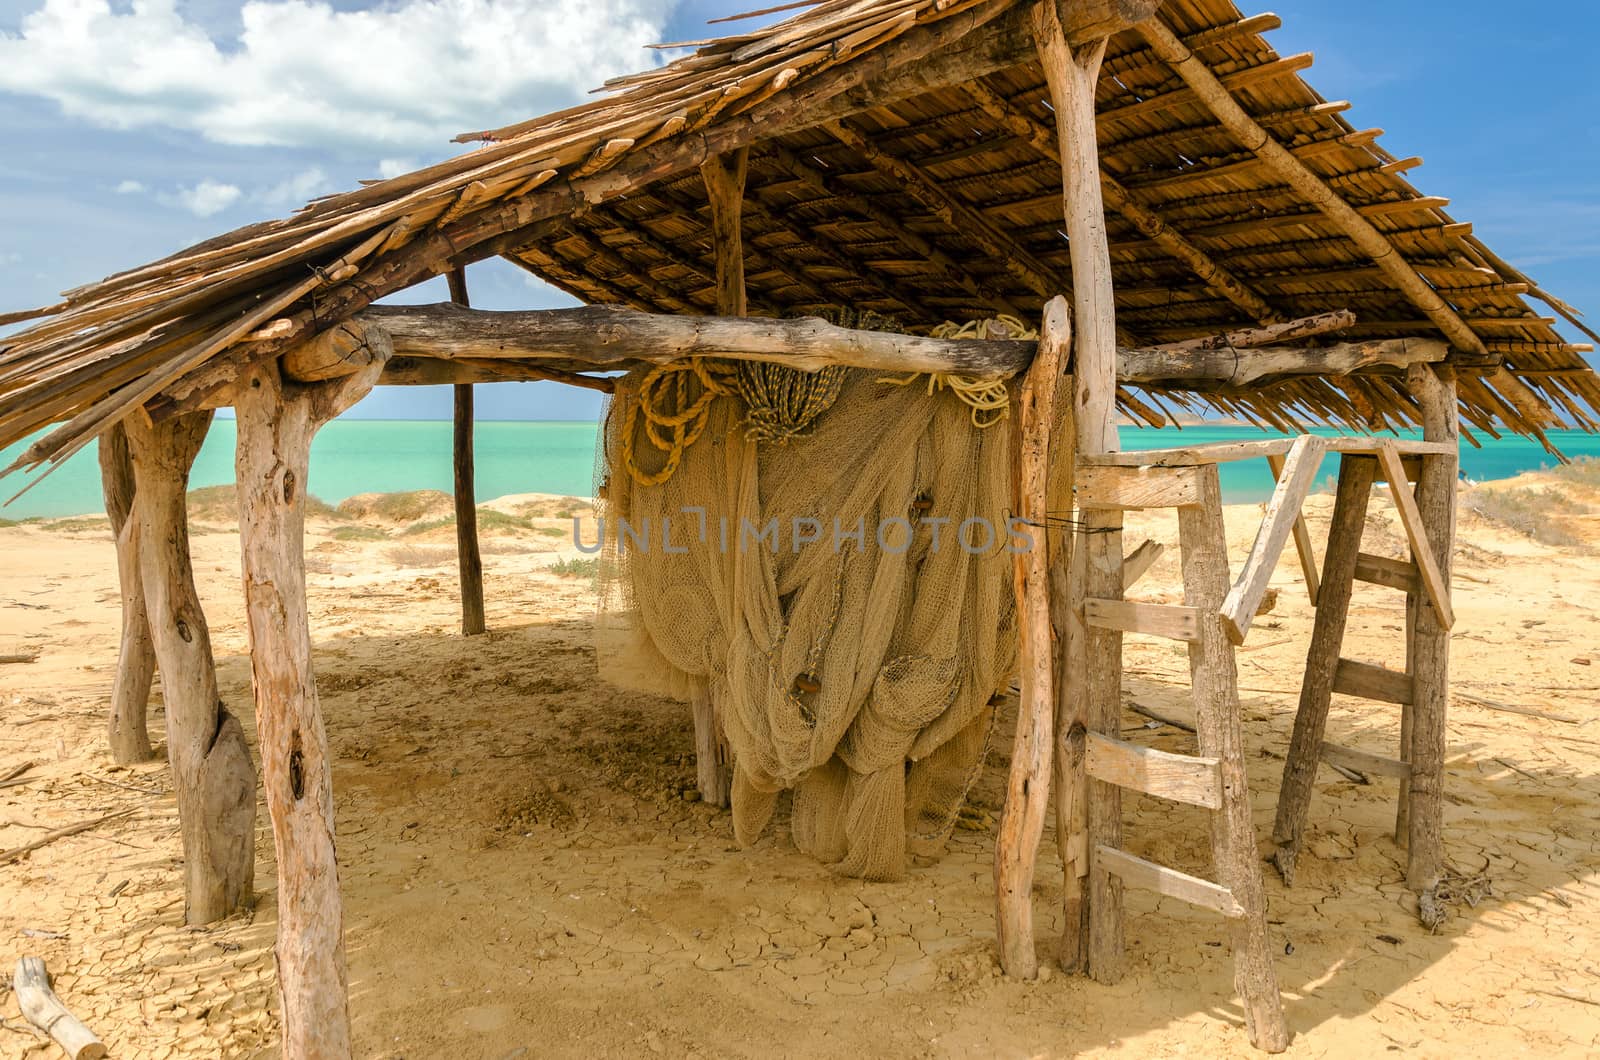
(902,159)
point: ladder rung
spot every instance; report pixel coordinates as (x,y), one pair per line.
(1181,778)
(1371,682)
(1381,570)
(1364,761)
(1123,488)
(1137,872)
(1173,621)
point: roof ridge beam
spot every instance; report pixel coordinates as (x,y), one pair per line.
(1146,220)
(1198,76)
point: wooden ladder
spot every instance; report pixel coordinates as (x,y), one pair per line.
(1425,585)
(1215,779)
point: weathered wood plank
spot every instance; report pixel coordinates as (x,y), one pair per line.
(1390,573)
(1172,621)
(1283,511)
(127,732)
(1302,541)
(1126,488)
(1181,778)
(1138,562)
(1148,876)
(1434,581)
(469,559)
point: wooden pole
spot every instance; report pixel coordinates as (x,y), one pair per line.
(468,556)
(212,774)
(1435,392)
(1088,814)
(128,733)
(1322,657)
(276,423)
(1215,682)
(724,177)
(1028,784)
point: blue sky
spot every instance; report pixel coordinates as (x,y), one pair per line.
(131,130)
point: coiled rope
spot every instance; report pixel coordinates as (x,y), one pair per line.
(675,401)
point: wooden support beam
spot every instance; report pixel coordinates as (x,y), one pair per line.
(1370,681)
(1435,392)
(428,371)
(1113,488)
(1434,580)
(1364,761)
(1136,563)
(468,559)
(1283,513)
(1269,334)
(724,177)
(1392,573)
(1215,681)
(276,423)
(212,775)
(1028,783)
(1148,876)
(1157,620)
(606,337)
(1147,221)
(1302,538)
(128,733)
(1181,778)
(1322,658)
(1216,95)
(1089,812)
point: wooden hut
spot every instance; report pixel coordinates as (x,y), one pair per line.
(1225,240)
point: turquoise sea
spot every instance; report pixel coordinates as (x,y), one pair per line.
(520,456)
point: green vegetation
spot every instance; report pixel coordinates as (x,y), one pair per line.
(1584,471)
(575,567)
(358,533)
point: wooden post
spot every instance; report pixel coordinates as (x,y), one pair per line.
(1028,784)
(469,558)
(276,422)
(1087,814)
(1322,657)
(1435,392)
(212,774)
(1215,681)
(724,177)
(128,732)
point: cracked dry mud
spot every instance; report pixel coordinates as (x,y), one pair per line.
(526,871)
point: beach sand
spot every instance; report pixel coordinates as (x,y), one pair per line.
(524,876)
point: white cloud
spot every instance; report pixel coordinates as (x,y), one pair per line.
(300,188)
(407,74)
(205,198)
(129,187)
(394,167)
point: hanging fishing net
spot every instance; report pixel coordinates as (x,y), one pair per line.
(826,556)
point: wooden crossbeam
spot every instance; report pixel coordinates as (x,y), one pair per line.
(1369,681)
(1114,488)
(1172,621)
(1181,778)
(1147,875)
(1283,511)
(1391,573)
(1364,761)
(1433,581)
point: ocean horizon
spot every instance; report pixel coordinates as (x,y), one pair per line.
(356,456)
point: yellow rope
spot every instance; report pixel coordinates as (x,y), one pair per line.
(675,415)
(988,398)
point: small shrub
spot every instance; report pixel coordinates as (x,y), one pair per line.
(494,519)
(552,531)
(8,522)
(1533,513)
(575,567)
(424,526)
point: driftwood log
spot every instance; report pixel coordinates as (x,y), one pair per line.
(128,731)
(606,338)
(44,1010)
(212,774)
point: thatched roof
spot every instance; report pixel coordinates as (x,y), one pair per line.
(901,160)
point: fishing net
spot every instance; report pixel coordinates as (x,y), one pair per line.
(825,556)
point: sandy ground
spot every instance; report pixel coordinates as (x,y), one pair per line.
(524,876)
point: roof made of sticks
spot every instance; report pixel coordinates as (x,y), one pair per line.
(902,159)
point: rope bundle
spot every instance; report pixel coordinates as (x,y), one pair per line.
(675,401)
